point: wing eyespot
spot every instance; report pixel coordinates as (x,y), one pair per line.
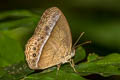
(42,37)
(34,55)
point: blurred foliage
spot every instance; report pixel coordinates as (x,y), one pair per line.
(99,20)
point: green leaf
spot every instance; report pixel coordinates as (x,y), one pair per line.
(15,71)
(2,72)
(106,66)
(10,51)
(15,13)
(19,30)
(80,54)
(92,57)
(54,75)
(25,22)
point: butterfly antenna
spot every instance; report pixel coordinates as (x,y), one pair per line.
(78,39)
(82,44)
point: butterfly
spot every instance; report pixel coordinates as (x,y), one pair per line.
(51,43)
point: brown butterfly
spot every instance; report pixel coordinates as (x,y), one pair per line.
(51,43)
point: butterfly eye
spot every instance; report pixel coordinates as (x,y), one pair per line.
(34,55)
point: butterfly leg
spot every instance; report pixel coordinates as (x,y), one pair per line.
(72,64)
(58,67)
